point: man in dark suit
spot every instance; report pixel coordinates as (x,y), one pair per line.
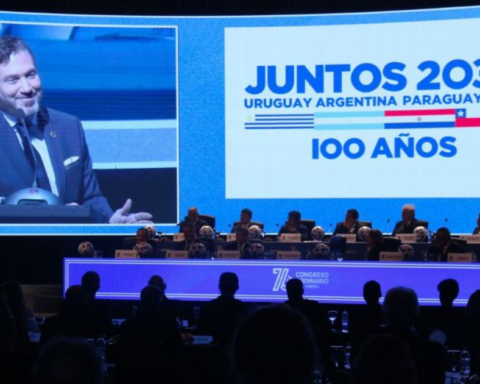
(192,218)
(245,220)
(293,225)
(476,231)
(190,238)
(408,222)
(43,147)
(221,316)
(240,244)
(443,245)
(350,225)
(400,309)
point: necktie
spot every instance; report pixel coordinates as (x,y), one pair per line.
(33,156)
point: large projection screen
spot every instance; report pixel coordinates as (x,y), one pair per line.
(315,113)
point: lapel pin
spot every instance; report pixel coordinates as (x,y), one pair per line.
(53,134)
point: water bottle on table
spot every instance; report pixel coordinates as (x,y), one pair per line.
(464,362)
(345,321)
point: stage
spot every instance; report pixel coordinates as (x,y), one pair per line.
(264,280)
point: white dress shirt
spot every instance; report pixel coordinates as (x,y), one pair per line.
(40,145)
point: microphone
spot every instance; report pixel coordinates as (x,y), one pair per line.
(388,225)
(275,226)
(20,115)
(330,226)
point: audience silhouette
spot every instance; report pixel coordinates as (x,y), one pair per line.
(73,320)
(275,345)
(384,359)
(368,319)
(22,315)
(400,309)
(96,308)
(168,307)
(69,361)
(287,343)
(221,316)
(150,346)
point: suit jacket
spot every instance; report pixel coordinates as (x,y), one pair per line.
(244,251)
(400,227)
(342,229)
(442,253)
(198,225)
(65,140)
(299,229)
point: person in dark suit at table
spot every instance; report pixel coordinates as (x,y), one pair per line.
(73,320)
(349,225)
(310,308)
(375,245)
(241,243)
(95,308)
(443,244)
(141,236)
(221,316)
(190,238)
(169,307)
(368,319)
(245,220)
(445,316)
(293,225)
(150,345)
(476,231)
(408,222)
(192,218)
(401,310)
(43,147)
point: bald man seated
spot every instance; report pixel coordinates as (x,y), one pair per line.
(192,218)
(408,222)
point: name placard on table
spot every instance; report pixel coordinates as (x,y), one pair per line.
(407,238)
(460,257)
(126,254)
(289,255)
(177,254)
(350,237)
(290,238)
(228,255)
(391,256)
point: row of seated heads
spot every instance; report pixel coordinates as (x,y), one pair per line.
(275,344)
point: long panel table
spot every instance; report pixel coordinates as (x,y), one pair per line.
(264,280)
(354,251)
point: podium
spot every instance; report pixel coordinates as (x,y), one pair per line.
(45,214)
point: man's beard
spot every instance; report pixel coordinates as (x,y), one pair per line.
(11,108)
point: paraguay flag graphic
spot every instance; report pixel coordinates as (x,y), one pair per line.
(367,120)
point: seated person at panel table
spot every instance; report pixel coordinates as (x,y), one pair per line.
(476,231)
(190,238)
(192,218)
(408,222)
(375,245)
(350,225)
(443,244)
(245,220)
(293,225)
(242,243)
(141,236)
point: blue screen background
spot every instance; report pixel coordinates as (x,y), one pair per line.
(202,124)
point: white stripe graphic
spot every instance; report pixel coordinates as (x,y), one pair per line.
(384,119)
(93,125)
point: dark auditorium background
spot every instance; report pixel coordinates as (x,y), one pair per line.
(38,259)
(46,266)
